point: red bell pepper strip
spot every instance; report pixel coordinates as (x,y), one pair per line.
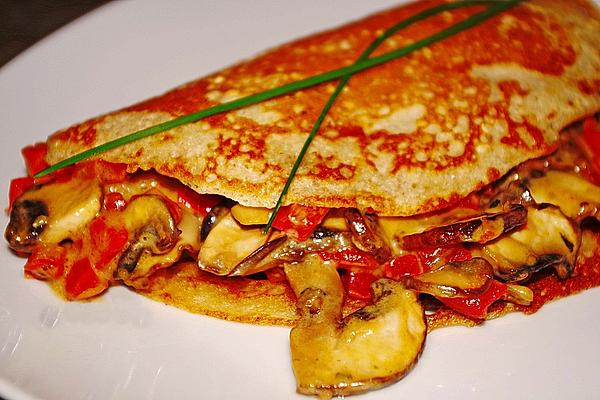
(299,221)
(82,281)
(405,265)
(107,241)
(190,199)
(114,201)
(358,283)
(477,306)
(46,262)
(34,158)
(18,186)
(201,203)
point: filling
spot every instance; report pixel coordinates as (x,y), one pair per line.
(88,227)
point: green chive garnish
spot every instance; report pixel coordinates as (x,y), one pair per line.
(344,74)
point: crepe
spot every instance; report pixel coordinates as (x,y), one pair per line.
(407,137)
(447,187)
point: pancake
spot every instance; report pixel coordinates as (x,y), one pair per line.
(451,186)
(407,137)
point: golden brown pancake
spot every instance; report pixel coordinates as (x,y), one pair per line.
(461,144)
(407,137)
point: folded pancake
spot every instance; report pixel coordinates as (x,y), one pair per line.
(458,180)
(407,137)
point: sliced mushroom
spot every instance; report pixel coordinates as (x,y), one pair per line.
(152,231)
(278,251)
(227,244)
(549,239)
(454,279)
(510,189)
(395,228)
(253,263)
(47,215)
(575,196)
(371,348)
(480,229)
(215,215)
(27,221)
(187,241)
(367,234)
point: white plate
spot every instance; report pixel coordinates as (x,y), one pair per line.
(124,346)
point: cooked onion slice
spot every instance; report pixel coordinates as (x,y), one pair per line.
(454,279)
(481,229)
(373,347)
(549,239)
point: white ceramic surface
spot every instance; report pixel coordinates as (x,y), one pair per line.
(123,346)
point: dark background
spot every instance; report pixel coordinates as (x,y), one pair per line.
(24,22)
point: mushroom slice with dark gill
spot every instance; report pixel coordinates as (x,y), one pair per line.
(257,261)
(152,231)
(367,235)
(227,244)
(373,347)
(455,279)
(44,214)
(27,222)
(480,229)
(279,250)
(549,239)
(213,218)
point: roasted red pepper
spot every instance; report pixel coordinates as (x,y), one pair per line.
(46,262)
(82,281)
(299,221)
(190,199)
(358,283)
(34,158)
(406,265)
(17,187)
(106,241)
(114,201)
(201,203)
(477,306)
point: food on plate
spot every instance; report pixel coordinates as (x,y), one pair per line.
(449,186)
